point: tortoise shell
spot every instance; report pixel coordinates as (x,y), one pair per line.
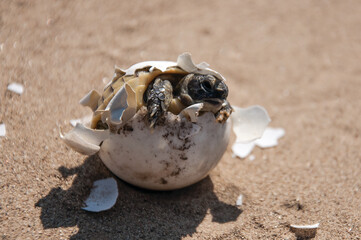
(139,83)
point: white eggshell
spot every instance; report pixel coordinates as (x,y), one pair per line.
(305,231)
(2,130)
(16,88)
(171,156)
(103,196)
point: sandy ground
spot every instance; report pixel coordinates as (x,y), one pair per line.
(298,59)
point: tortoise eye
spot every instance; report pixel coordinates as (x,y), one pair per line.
(206,86)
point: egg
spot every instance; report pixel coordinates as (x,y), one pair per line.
(181,149)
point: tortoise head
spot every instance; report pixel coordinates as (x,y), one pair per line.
(207,89)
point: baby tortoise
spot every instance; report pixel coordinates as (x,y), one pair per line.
(190,89)
(172,89)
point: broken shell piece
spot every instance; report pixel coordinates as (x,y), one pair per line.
(239,200)
(103,195)
(185,62)
(16,88)
(84,140)
(305,231)
(249,123)
(192,111)
(2,130)
(91,100)
(122,107)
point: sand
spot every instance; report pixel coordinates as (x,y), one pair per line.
(298,59)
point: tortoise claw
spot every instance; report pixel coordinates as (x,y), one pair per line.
(223,114)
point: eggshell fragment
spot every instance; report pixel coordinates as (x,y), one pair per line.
(122,107)
(103,195)
(239,200)
(91,100)
(305,231)
(192,111)
(2,130)
(185,62)
(16,88)
(249,123)
(84,140)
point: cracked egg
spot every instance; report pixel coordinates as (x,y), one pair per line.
(163,125)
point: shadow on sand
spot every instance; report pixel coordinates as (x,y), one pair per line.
(138,213)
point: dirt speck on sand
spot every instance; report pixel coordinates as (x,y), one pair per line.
(298,59)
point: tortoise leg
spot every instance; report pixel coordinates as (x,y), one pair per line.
(223,114)
(158,98)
